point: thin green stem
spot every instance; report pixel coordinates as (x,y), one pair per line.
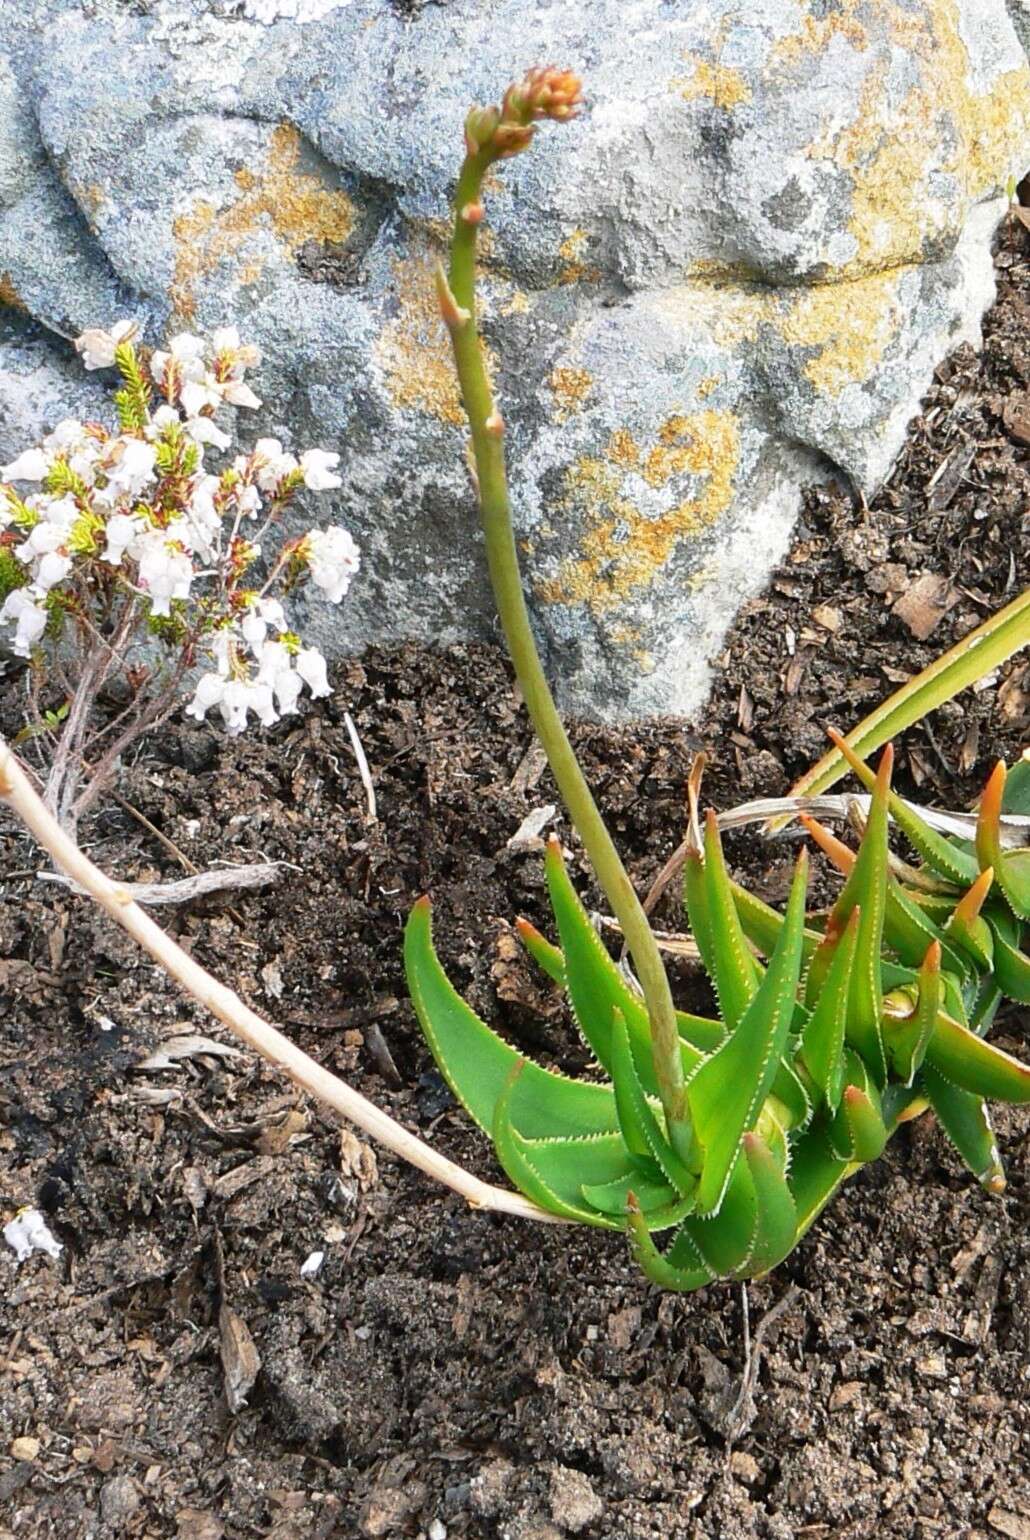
(458,304)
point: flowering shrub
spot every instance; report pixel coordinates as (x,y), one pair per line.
(127,537)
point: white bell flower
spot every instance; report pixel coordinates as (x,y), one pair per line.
(97,347)
(271,463)
(311,668)
(133,466)
(165,570)
(243,695)
(255,624)
(120,531)
(259,700)
(67,435)
(208,692)
(317,465)
(333,559)
(197,395)
(53,568)
(24,608)
(44,537)
(202,430)
(164,417)
(287,686)
(187,349)
(239,393)
(202,515)
(30,465)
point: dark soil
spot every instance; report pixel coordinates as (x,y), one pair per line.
(453,1373)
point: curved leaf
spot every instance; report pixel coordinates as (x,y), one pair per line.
(975,1065)
(476,1063)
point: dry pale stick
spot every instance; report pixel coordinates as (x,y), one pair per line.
(17,791)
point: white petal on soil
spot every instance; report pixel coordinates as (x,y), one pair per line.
(28,1232)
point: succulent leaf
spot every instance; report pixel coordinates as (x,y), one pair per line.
(1011,964)
(544,953)
(731,965)
(777,1225)
(867,888)
(639,1124)
(516,1156)
(762,924)
(596,987)
(1011,867)
(1016,798)
(725,1241)
(727,1090)
(907,1030)
(965,927)
(816,1172)
(476,1063)
(858,1132)
(610,1197)
(975,1065)
(683,1277)
(822,1042)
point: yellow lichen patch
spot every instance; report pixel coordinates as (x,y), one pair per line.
(713,82)
(851,324)
(889,149)
(296,206)
(818,31)
(622,549)
(9,295)
(414,351)
(570,388)
(571,253)
(707,385)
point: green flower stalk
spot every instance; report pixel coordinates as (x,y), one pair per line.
(493,134)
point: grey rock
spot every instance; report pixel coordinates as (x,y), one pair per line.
(41,381)
(735,273)
(119,1503)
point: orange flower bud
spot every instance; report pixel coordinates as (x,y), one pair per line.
(552,93)
(542,93)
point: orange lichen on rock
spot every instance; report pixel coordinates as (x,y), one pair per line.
(575,269)
(570,388)
(9,295)
(622,549)
(295,205)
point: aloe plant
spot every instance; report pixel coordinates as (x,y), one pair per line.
(833,1030)
(730,1132)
